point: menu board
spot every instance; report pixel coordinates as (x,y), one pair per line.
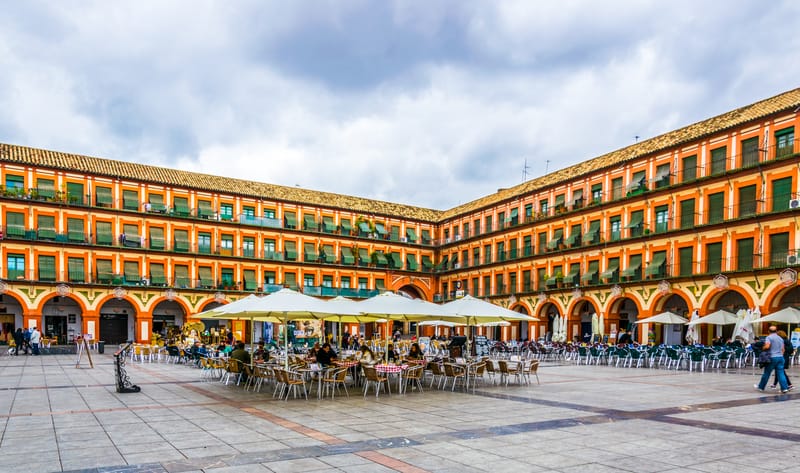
(481,345)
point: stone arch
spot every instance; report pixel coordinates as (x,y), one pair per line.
(546,313)
(166,313)
(782,297)
(580,312)
(117,319)
(412,291)
(676,302)
(14,312)
(62,317)
(731,299)
(524,330)
(621,315)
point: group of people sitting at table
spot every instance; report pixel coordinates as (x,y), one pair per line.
(325,355)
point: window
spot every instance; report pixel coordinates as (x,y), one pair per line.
(310,253)
(455,233)
(269,213)
(248,247)
(526,281)
(689,168)
(634,270)
(527,247)
(501,220)
(543,207)
(105,271)
(597,193)
(131,236)
(205,277)
(499,286)
(103,197)
(501,251)
(636,223)
(512,283)
(781,194)
(362,283)
(657,268)
(637,184)
(487,254)
(744,254)
(290,250)
(784,142)
(686,260)
(488,223)
(75,232)
(577,198)
(46,227)
(514,218)
(476,226)
(560,203)
(474,288)
(528,212)
(15,225)
(180,206)
(574,238)
(181,240)
(476,256)
(250,283)
(573,276)
(778,249)
(269,249)
(611,274)
(269,277)
(248,211)
(616,188)
(103,234)
(487,285)
(156,238)
(750,152)
(226,212)
(46,188)
(426,237)
(204,209)
(663,174)
(718,158)
(226,278)
(714,258)
(181,278)
(411,262)
(131,272)
(344,282)
(512,249)
(310,222)
(591,273)
(542,237)
(157,277)
(75,270)
(130,200)
(226,245)
(616,228)
(687,213)
(747,201)
(290,280)
(14,182)
(716,207)
(75,193)
(289,220)
(662,218)
(47,268)
(204,243)
(592,234)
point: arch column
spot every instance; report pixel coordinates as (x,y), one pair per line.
(641,334)
(91,323)
(32,319)
(144,327)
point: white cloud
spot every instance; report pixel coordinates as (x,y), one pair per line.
(454,97)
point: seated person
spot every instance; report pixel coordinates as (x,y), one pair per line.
(261,354)
(365,356)
(415,353)
(392,355)
(312,353)
(241,354)
(326,355)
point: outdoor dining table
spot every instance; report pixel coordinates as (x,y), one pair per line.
(309,373)
(351,365)
(391,369)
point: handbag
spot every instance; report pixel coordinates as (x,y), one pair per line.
(764,359)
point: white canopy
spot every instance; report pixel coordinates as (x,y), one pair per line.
(397,307)
(664,318)
(720,317)
(692,336)
(477,311)
(788,315)
(439,323)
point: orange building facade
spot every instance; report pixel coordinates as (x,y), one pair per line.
(701,218)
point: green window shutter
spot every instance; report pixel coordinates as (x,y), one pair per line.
(156,202)
(394,233)
(656,268)
(132,274)
(347,255)
(46,188)
(250,283)
(687,213)
(75,193)
(591,235)
(181,240)
(328,225)
(572,276)
(781,194)
(346,226)
(290,250)
(747,201)
(635,223)
(380,259)
(226,276)
(663,176)
(558,236)
(686,260)
(204,209)
(14,182)
(310,252)
(157,277)
(427,264)
(46,227)
(76,270)
(310,222)
(363,257)
(411,235)
(426,237)
(714,258)
(396,260)
(379,227)
(105,271)
(633,271)
(180,206)
(330,255)
(156,238)
(750,152)
(590,277)
(132,238)
(226,212)
(205,277)
(718,160)
(778,249)
(662,218)
(75,230)
(411,262)
(130,200)
(744,254)
(689,168)
(47,268)
(289,220)
(716,207)
(182,276)
(290,280)
(103,197)
(612,270)
(104,235)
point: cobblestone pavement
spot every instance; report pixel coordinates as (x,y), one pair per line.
(56,417)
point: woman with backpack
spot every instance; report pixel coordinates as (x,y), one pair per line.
(788,350)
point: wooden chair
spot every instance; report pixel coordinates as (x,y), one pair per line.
(371,377)
(414,376)
(532,368)
(454,372)
(232,368)
(333,379)
(436,372)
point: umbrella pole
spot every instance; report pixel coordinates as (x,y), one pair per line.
(286,343)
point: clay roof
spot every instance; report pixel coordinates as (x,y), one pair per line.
(783,102)
(224,185)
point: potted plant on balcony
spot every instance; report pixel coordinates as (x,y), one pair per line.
(559,279)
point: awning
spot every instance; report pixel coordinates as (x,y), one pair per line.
(204,274)
(411,235)
(557,238)
(551,281)
(572,239)
(290,220)
(364,227)
(310,252)
(427,264)
(363,256)
(630,271)
(591,233)
(655,266)
(443,263)
(589,275)
(347,255)
(380,258)
(397,260)
(609,272)
(157,273)
(346,227)
(328,225)
(310,222)
(636,220)
(411,262)
(380,229)
(104,196)
(290,250)
(571,277)
(330,255)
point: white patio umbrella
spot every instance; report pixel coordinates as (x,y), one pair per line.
(248,308)
(664,318)
(556,328)
(719,317)
(788,315)
(346,311)
(602,323)
(744,328)
(476,312)
(563,335)
(692,334)
(595,326)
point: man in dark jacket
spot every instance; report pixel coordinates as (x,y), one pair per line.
(19,340)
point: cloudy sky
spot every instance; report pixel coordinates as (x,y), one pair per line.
(429,103)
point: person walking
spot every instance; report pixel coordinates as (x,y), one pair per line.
(19,341)
(774,344)
(788,350)
(26,339)
(36,337)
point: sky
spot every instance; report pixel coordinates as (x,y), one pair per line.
(431,104)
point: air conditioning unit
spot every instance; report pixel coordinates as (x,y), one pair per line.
(456,265)
(794,204)
(404,239)
(792,259)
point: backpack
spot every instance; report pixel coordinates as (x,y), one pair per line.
(27,335)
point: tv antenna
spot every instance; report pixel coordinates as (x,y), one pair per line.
(525,168)
(546,166)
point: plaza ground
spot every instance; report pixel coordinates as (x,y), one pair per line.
(56,417)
